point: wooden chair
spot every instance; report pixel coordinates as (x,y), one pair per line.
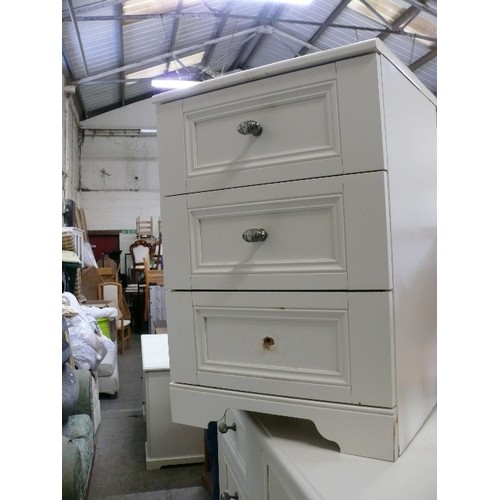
(139,250)
(151,277)
(112,291)
(157,257)
(144,229)
(108,273)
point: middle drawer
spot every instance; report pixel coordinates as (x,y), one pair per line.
(320,234)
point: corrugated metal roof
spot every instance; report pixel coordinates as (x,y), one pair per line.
(105,42)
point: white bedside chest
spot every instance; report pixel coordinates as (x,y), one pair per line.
(167,443)
(299,207)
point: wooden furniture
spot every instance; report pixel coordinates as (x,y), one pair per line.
(157,256)
(167,443)
(144,229)
(160,327)
(108,273)
(299,205)
(139,250)
(112,291)
(106,262)
(151,277)
(281,458)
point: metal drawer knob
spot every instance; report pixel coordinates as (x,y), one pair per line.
(226,495)
(223,427)
(253,235)
(250,127)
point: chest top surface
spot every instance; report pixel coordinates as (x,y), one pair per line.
(155,354)
(373,46)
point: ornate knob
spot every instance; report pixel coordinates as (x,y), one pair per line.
(227,496)
(253,235)
(250,127)
(223,427)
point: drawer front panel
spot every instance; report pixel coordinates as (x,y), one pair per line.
(235,441)
(309,226)
(320,346)
(230,480)
(300,135)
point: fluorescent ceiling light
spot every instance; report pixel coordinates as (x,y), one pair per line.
(154,6)
(159,69)
(170,83)
(295,2)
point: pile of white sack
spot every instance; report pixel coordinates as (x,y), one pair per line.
(88,344)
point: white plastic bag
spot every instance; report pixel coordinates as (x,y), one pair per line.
(88,344)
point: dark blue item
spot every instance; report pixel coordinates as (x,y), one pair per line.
(213,460)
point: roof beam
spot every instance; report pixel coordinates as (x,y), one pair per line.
(424,59)
(207,56)
(162,57)
(376,13)
(78,95)
(404,19)
(328,21)
(175,28)
(119,37)
(261,37)
(78,37)
(99,5)
(282,34)
(422,4)
(302,22)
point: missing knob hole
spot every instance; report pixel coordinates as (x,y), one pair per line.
(267,342)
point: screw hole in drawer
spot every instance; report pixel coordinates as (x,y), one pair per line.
(267,343)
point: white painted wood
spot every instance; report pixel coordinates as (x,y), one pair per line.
(350,51)
(320,231)
(361,114)
(378,209)
(171,149)
(168,443)
(294,462)
(276,487)
(367,227)
(175,239)
(300,136)
(230,479)
(181,337)
(155,353)
(239,442)
(411,146)
(358,430)
(321,343)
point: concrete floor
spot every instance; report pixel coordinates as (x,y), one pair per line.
(119,470)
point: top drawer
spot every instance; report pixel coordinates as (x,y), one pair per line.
(299,119)
(201,149)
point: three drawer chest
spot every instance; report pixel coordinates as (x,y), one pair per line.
(298,205)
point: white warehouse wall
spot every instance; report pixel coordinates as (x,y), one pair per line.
(119,178)
(71,136)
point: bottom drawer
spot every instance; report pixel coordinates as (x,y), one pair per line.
(329,346)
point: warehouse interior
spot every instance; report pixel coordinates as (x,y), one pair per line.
(113,49)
